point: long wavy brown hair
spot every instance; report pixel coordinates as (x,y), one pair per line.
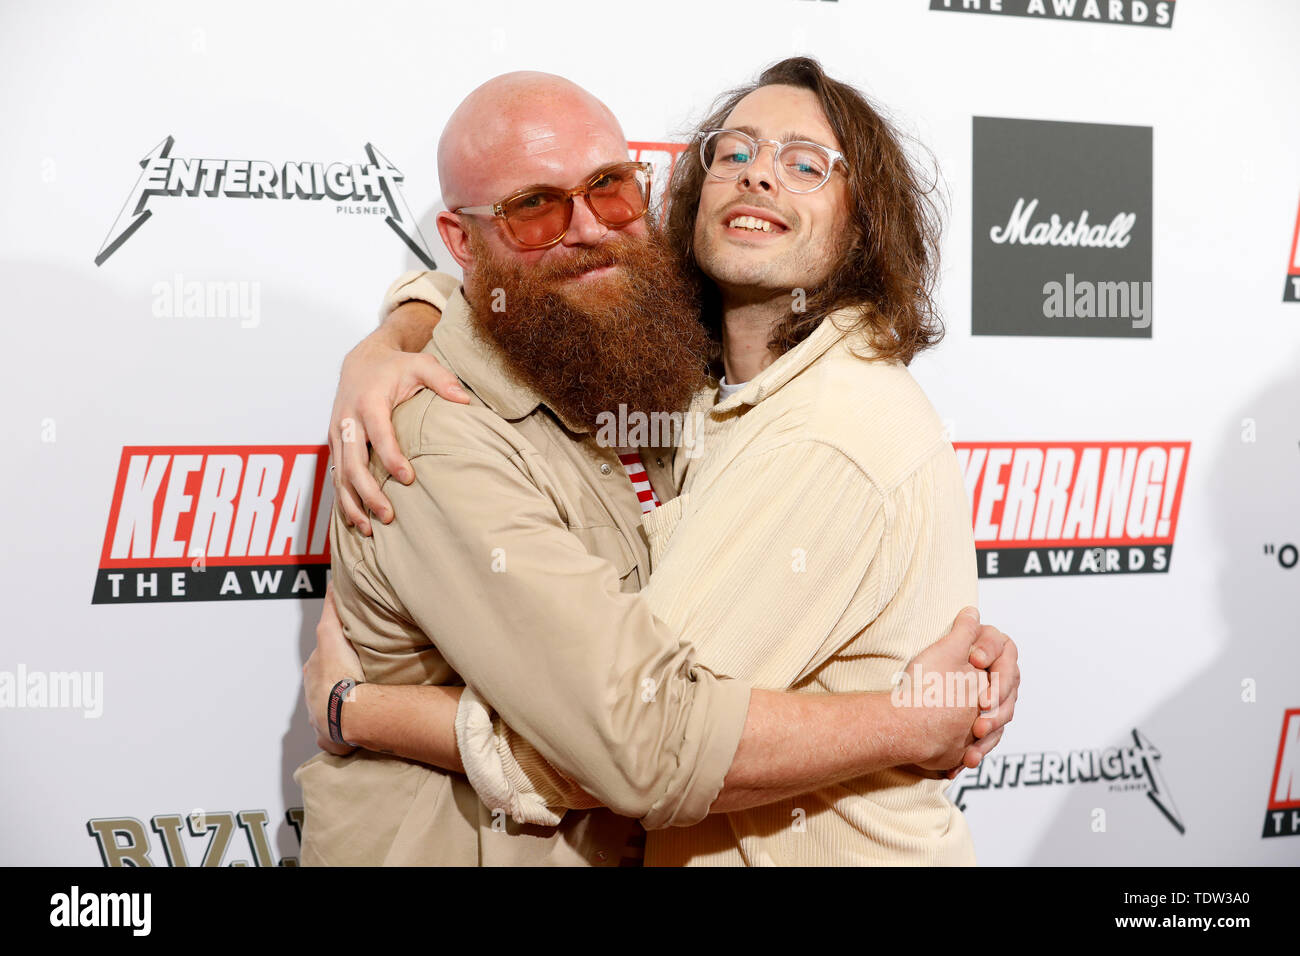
(889,266)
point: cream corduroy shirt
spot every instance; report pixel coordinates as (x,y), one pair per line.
(822,538)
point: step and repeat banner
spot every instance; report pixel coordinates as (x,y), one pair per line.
(204,203)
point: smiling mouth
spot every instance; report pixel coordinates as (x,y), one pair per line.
(753,225)
(596,273)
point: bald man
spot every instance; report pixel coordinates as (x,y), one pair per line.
(516,553)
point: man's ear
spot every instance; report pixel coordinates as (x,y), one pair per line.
(456,238)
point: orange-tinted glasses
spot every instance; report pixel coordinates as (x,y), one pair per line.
(539,216)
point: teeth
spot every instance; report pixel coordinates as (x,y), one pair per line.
(750,222)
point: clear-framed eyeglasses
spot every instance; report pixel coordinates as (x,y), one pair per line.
(802,166)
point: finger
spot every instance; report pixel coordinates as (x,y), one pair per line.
(352,454)
(965,626)
(356,479)
(1006,668)
(384,440)
(353,513)
(336,455)
(996,719)
(981,749)
(349,507)
(994,694)
(988,645)
(376,422)
(430,373)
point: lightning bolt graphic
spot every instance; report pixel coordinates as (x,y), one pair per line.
(404,225)
(133,214)
(1159,792)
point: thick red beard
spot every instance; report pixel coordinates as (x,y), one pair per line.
(632,338)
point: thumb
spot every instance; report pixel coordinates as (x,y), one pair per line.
(967,624)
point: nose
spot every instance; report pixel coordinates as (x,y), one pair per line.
(584,229)
(760,175)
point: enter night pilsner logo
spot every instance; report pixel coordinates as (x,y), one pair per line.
(216,523)
(1042,509)
(1061,229)
(369,188)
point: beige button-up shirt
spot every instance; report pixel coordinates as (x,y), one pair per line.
(513,564)
(821,540)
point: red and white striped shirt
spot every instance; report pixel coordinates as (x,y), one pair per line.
(636,473)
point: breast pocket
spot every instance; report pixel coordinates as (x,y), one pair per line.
(660,524)
(607,542)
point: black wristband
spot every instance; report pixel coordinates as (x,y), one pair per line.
(334,711)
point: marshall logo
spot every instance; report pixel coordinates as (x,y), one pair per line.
(1133,768)
(123,841)
(1291,292)
(1283,816)
(1052,232)
(217,523)
(1061,241)
(375,181)
(1141,13)
(1058,508)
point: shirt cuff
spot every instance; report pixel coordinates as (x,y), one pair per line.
(476,737)
(431,287)
(713,732)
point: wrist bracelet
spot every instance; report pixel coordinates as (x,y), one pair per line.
(334,711)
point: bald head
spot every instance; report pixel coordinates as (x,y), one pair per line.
(524,128)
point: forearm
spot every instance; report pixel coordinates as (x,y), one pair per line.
(797,743)
(792,744)
(415,722)
(408,327)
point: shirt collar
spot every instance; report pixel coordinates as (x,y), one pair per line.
(478,363)
(768,382)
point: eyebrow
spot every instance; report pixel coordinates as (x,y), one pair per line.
(590,176)
(787,137)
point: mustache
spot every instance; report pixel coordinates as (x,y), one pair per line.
(582,259)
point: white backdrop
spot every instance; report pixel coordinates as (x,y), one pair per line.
(200,700)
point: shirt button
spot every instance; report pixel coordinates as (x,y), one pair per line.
(605,469)
(601,855)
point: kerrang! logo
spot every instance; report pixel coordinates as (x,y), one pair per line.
(1283,816)
(1291,292)
(1133,768)
(217,523)
(1141,13)
(1051,508)
(165,175)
